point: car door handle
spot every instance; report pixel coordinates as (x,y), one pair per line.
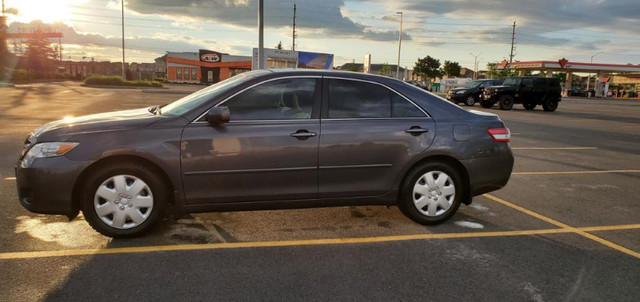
(303,134)
(416,130)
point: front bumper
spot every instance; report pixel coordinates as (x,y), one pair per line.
(456,97)
(46,187)
(488,97)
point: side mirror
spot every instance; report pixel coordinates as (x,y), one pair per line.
(218,115)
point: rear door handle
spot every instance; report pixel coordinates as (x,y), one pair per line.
(303,134)
(415,130)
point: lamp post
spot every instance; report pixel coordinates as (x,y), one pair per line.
(124,70)
(399,46)
(589,78)
(475,65)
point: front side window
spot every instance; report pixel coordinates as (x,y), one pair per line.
(354,99)
(528,83)
(276,100)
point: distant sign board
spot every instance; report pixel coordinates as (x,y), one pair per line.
(280,58)
(314,60)
(210,56)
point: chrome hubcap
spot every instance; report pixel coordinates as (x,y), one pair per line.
(123,201)
(433,193)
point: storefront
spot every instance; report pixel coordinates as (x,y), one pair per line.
(205,66)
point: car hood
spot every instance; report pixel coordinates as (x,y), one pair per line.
(454,90)
(109,121)
(501,87)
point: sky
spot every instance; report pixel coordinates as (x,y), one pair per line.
(445,29)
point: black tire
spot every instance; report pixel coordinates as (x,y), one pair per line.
(550,104)
(529,106)
(159,191)
(470,101)
(486,104)
(406,202)
(505,102)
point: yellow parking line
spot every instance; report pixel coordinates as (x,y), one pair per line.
(565,226)
(575,172)
(554,148)
(310,242)
(9,178)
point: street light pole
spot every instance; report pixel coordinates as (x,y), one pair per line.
(261,35)
(475,65)
(399,47)
(124,70)
(589,78)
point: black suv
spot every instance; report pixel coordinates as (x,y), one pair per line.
(471,92)
(528,91)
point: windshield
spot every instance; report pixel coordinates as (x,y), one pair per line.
(512,82)
(199,97)
(472,84)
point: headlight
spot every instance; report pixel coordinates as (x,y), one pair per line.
(461,92)
(43,150)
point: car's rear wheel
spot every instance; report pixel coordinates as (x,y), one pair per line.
(486,104)
(529,106)
(431,193)
(550,105)
(505,102)
(124,200)
(470,101)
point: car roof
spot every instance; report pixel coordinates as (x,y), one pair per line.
(326,72)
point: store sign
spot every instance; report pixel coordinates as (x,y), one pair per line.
(210,56)
(563,62)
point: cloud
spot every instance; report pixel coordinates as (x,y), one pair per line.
(324,17)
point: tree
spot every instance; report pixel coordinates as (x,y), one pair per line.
(503,73)
(39,56)
(385,69)
(451,69)
(427,67)
(279,46)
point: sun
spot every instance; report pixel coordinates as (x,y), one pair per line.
(45,10)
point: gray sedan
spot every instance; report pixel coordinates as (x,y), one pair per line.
(266,140)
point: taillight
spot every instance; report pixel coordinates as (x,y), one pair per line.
(500,135)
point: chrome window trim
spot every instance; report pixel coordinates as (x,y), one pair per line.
(196,121)
(385,86)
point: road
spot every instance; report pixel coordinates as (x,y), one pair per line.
(566,227)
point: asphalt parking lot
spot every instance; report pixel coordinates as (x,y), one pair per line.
(566,227)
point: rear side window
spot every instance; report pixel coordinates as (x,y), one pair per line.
(355,99)
(403,108)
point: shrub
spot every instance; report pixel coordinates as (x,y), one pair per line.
(118,81)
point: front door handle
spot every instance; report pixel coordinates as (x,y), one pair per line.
(303,134)
(416,130)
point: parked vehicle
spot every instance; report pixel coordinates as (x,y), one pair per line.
(263,140)
(471,92)
(528,91)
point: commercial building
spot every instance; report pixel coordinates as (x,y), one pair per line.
(205,66)
(280,58)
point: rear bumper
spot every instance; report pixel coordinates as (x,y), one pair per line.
(491,173)
(46,187)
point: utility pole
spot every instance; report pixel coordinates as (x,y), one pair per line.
(513,39)
(124,70)
(293,46)
(475,65)
(260,35)
(399,46)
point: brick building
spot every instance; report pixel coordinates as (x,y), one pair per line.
(205,66)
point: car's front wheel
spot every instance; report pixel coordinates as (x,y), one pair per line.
(505,102)
(470,101)
(431,193)
(124,200)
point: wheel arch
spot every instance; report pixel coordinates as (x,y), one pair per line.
(448,160)
(113,159)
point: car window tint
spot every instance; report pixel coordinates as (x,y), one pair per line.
(527,83)
(275,100)
(403,108)
(540,83)
(354,99)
